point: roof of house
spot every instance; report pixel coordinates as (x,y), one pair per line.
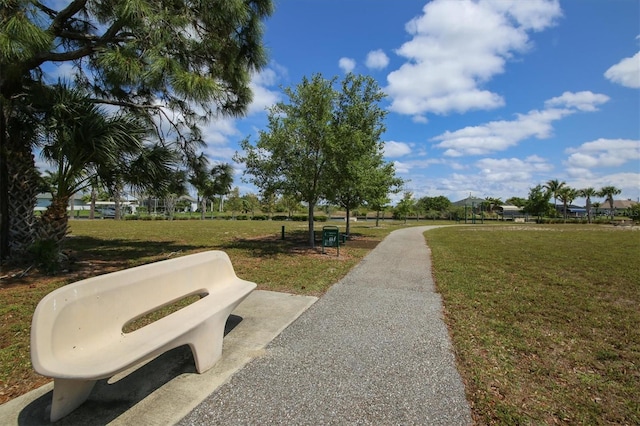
(469,201)
(509,208)
(619,204)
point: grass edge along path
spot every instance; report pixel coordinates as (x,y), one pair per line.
(544,321)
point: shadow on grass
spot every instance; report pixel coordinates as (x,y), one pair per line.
(123,252)
(294,243)
(108,401)
(104,255)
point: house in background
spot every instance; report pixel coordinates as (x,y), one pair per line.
(620,207)
(43,200)
(469,202)
(573,211)
(510,212)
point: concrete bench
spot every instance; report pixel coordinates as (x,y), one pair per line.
(77,332)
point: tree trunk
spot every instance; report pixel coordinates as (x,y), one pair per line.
(54,222)
(116,200)
(22,191)
(4,186)
(377,218)
(203,208)
(312,237)
(72,201)
(611,207)
(92,209)
(347,226)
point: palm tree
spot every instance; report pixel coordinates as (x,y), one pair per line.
(222,175)
(588,193)
(608,193)
(81,142)
(210,182)
(176,188)
(566,195)
(553,188)
(20,181)
(149,171)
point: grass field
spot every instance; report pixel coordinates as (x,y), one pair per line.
(545,321)
(544,318)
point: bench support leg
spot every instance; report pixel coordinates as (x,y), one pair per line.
(206,343)
(68,395)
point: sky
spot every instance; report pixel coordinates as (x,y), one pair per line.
(487,98)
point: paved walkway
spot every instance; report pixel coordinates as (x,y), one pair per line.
(373,350)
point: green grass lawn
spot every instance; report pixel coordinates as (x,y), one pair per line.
(545,321)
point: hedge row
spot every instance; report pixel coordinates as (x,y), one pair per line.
(295,218)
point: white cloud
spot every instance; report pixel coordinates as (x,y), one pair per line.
(629,183)
(459,45)
(263,97)
(393,149)
(500,135)
(377,59)
(401,168)
(347,64)
(603,153)
(218,131)
(583,101)
(511,169)
(626,72)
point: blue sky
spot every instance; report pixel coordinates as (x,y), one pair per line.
(484,97)
(487,97)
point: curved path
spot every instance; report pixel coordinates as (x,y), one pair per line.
(373,350)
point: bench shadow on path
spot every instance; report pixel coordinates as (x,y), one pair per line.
(108,401)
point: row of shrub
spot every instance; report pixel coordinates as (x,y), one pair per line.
(295,218)
(581,221)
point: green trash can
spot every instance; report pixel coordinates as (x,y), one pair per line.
(331,237)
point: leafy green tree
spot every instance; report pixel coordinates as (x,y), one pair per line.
(234,203)
(587,193)
(268,203)
(149,56)
(289,204)
(406,206)
(384,182)
(250,203)
(634,211)
(608,192)
(358,125)
(439,203)
(538,202)
(516,201)
(294,156)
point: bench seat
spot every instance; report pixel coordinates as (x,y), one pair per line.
(77,332)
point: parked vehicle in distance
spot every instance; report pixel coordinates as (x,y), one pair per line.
(108,212)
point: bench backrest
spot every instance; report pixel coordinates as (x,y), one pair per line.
(94,310)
